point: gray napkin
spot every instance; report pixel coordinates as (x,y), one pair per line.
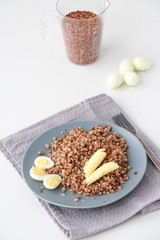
(80,223)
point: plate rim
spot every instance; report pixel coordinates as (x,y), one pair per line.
(74,206)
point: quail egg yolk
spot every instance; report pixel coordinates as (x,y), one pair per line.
(52,181)
(42,162)
(38,171)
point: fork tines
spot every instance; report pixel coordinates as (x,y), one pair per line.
(120,120)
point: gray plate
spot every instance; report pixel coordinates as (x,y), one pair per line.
(136,158)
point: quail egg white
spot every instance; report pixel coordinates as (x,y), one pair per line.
(52,181)
(141,64)
(114,80)
(131,78)
(37,174)
(43,162)
(125,66)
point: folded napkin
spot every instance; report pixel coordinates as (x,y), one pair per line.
(77,223)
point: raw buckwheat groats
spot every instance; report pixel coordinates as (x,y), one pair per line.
(82,32)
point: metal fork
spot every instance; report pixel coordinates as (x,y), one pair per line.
(121,121)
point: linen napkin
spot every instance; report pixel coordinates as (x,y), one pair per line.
(78,223)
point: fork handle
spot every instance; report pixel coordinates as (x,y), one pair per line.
(150,154)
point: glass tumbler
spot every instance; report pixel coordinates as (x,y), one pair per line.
(82,37)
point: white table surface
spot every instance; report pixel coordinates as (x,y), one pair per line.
(37,81)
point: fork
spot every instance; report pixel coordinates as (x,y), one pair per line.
(121,121)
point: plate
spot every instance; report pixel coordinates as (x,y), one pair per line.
(136,158)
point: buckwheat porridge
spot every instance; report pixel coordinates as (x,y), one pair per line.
(71,152)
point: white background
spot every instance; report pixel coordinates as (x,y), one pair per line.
(37,80)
